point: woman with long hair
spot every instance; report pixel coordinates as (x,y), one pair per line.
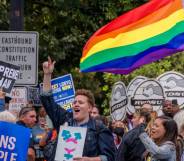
(162,143)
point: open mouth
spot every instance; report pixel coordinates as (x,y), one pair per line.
(76,110)
(153,132)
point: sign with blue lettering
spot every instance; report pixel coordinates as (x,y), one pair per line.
(66,103)
(14,142)
(63,91)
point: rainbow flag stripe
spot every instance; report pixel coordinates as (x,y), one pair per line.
(143,35)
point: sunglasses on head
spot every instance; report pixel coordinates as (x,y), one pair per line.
(25,110)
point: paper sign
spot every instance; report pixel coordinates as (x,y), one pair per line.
(70,143)
(14,142)
(19,99)
(34,96)
(63,91)
(8,76)
(62,87)
(66,103)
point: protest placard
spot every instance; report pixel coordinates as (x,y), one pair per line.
(19,99)
(119,101)
(33,96)
(130,91)
(149,91)
(70,143)
(8,76)
(173,85)
(63,91)
(62,87)
(14,142)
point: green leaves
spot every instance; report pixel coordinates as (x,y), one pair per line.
(65,26)
(4,13)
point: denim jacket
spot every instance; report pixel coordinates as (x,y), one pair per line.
(164,152)
(99,140)
(2,104)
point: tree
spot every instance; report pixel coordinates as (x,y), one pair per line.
(4,19)
(153,70)
(64,26)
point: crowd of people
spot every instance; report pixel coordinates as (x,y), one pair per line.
(144,136)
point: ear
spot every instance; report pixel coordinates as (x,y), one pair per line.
(90,108)
(142,120)
(21,118)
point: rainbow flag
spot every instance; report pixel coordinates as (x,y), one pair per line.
(141,36)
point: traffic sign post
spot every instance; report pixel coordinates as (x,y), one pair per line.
(21,48)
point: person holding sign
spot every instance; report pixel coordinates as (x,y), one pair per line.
(99,145)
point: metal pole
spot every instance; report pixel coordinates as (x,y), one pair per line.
(17,15)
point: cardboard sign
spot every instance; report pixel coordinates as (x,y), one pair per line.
(21,48)
(119,101)
(149,91)
(130,91)
(8,76)
(19,99)
(70,143)
(173,84)
(14,142)
(34,96)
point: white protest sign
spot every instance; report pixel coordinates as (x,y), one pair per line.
(149,91)
(21,48)
(70,143)
(19,99)
(119,101)
(131,89)
(173,84)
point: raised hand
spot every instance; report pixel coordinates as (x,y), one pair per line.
(48,66)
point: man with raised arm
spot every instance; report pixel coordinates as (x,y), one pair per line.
(99,145)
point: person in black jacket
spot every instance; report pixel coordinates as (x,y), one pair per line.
(99,145)
(131,148)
